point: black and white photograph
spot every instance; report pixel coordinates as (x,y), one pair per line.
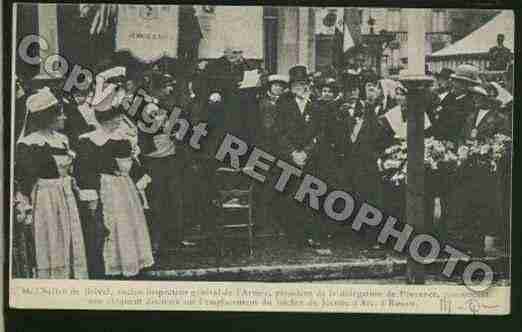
(322,146)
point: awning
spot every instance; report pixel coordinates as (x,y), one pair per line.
(482,39)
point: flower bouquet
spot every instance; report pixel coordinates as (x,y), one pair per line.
(440,157)
(484,154)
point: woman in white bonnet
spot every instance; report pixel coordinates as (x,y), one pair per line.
(110,176)
(43,166)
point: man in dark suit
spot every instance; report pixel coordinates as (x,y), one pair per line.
(440,93)
(297,127)
(356,145)
(456,106)
(480,193)
(347,109)
(440,114)
(221,84)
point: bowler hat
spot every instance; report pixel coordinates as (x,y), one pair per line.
(467,73)
(351,81)
(298,73)
(444,73)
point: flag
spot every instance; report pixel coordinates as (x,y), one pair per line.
(348,42)
(342,41)
(102,16)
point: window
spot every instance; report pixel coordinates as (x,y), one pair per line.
(438,20)
(393,19)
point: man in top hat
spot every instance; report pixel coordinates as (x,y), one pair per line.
(347,108)
(354,141)
(295,112)
(297,127)
(480,190)
(357,141)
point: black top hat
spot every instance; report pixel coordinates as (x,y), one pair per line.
(351,80)
(298,73)
(444,73)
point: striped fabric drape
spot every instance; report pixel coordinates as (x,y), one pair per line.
(85,37)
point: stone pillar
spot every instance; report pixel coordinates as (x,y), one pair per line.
(296,38)
(417,84)
(306,38)
(48,30)
(288,38)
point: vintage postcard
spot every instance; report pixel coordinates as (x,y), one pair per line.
(261,158)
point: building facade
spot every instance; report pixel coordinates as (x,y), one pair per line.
(301,35)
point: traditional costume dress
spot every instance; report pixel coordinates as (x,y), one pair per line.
(43,168)
(108,167)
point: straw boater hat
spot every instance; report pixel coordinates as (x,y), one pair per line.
(467,73)
(276,78)
(478,90)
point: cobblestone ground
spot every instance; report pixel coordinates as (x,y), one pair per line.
(268,250)
(271,250)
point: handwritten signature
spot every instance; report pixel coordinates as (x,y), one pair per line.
(474,306)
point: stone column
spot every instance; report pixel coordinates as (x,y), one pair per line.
(296,38)
(306,38)
(48,30)
(288,36)
(417,83)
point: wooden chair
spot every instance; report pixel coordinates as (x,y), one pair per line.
(235,193)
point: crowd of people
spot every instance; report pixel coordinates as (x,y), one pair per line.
(99,197)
